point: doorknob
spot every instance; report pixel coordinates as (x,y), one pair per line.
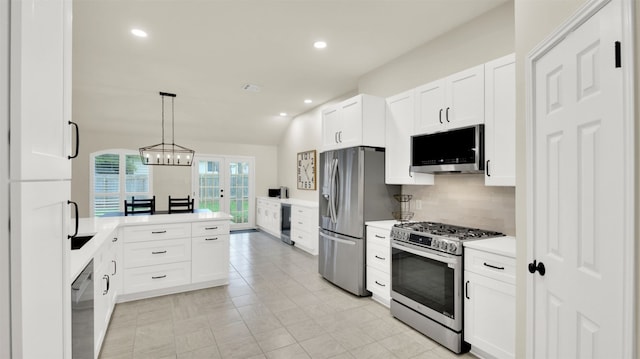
(533,267)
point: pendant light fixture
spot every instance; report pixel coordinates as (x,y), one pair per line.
(167,154)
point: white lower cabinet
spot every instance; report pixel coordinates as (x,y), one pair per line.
(304,228)
(379,264)
(210,257)
(489,304)
(156,277)
(268,215)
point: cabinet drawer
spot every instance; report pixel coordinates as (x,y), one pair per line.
(156,277)
(156,252)
(307,241)
(209,228)
(379,283)
(303,220)
(379,257)
(491,265)
(378,236)
(158,231)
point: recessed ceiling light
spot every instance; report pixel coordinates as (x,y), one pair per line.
(283,114)
(308,101)
(319,44)
(138,33)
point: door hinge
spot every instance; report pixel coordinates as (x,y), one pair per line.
(618,55)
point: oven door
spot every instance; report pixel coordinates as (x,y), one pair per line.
(428,282)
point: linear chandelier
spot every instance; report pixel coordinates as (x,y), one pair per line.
(167,154)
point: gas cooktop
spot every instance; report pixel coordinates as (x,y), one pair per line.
(439,236)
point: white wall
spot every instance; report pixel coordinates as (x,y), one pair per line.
(175,181)
(5,329)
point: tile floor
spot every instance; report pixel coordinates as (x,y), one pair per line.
(275,306)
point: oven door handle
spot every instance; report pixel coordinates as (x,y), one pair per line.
(435,257)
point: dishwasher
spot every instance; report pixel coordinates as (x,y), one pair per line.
(82,314)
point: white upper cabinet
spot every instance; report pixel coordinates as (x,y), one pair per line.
(500,122)
(358,121)
(399,127)
(451,102)
(40,90)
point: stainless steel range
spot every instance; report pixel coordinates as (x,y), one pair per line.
(426,278)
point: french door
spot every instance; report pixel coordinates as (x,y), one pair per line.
(226,184)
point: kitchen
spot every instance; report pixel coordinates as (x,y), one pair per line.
(495,33)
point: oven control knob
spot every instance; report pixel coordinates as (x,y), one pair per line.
(453,247)
(435,243)
(443,245)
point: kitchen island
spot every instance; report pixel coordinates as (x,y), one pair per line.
(138,257)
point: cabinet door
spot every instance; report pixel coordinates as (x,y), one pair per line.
(210,258)
(40,90)
(101,301)
(350,125)
(465,98)
(398,130)
(490,315)
(430,106)
(500,122)
(40,287)
(330,125)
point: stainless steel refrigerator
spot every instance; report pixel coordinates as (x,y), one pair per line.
(352,191)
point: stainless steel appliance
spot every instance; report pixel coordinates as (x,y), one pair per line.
(352,191)
(285,223)
(457,150)
(82,314)
(426,278)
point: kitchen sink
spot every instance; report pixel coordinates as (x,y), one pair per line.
(78,241)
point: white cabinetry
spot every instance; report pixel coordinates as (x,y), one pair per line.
(454,101)
(210,251)
(489,304)
(379,264)
(399,124)
(107,276)
(40,288)
(358,121)
(269,215)
(304,228)
(40,90)
(500,122)
(156,256)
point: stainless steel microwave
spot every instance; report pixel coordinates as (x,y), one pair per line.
(455,150)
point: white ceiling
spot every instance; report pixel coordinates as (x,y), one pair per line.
(206,50)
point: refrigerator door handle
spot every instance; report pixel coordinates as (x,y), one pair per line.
(333,190)
(343,241)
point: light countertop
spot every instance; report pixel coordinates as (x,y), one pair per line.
(505,246)
(387,224)
(103,229)
(292,201)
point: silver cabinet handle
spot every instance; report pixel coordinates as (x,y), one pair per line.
(160,276)
(159,252)
(106,277)
(115,267)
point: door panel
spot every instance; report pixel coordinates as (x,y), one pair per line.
(579,199)
(341,261)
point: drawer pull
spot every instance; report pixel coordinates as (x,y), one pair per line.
(381,237)
(379,257)
(380,284)
(158,232)
(494,267)
(211,239)
(299,222)
(159,252)
(159,277)
(209,228)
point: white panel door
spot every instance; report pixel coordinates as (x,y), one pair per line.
(40,89)
(40,283)
(330,128)
(578,194)
(351,122)
(430,105)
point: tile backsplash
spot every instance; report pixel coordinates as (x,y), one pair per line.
(463,199)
